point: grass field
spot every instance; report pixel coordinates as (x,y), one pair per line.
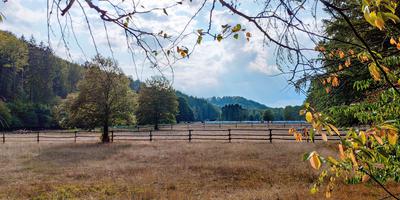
(164,170)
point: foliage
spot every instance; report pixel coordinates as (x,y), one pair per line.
(33,78)
(268,115)
(202,109)
(245,103)
(372,154)
(233,112)
(5,115)
(104,99)
(157,102)
(185,113)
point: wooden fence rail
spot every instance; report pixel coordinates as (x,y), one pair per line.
(228,135)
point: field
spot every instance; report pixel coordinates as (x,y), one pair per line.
(165,170)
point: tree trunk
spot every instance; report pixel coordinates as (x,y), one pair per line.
(105,138)
(156,126)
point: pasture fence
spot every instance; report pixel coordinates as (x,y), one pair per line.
(226,135)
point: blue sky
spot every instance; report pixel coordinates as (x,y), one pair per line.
(227,68)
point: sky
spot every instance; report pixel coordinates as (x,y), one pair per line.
(227,68)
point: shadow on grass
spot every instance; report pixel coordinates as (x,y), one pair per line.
(66,155)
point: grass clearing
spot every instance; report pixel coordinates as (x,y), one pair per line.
(164,170)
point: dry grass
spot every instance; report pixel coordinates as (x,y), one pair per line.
(163,170)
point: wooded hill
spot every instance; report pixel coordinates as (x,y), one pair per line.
(33,80)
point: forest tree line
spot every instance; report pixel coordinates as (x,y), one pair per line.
(37,88)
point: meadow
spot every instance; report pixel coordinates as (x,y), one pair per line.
(166,170)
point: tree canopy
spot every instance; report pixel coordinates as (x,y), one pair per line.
(104,98)
(158,102)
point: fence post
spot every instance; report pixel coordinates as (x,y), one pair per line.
(112,136)
(151,135)
(236,124)
(270,135)
(220,125)
(4,137)
(75,135)
(252,124)
(172,126)
(37,139)
(229,135)
(190,135)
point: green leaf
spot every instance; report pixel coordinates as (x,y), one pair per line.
(219,37)
(199,39)
(236,36)
(236,28)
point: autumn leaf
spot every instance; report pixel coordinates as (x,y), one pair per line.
(363,137)
(353,159)
(378,139)
(373,69)
(309,117)
(365,178)
(392,137)
(315,160)
(324,137)
(341,151)
(393,41)
(379,23)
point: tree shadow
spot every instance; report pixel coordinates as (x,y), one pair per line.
(67,155)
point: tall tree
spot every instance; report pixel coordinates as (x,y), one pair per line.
(157,102)
(268,115)
(185,113)
(104,98)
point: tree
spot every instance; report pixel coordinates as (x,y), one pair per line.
(268,115)
(157,102)
(13,58)
(233,112)
(104,98)
(5,115)
(281,23)
(185,113)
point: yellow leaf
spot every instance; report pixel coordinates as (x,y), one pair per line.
(348,62)
(309,117)
(341,152)
(393,41)
(374,71)
(334,129)
(335,81)
(324,137)
(379,23)
(363,137)
(378,139)
(392,137)
(332,160)
(365,178)
(315,161)
(398,46)
(328,194)
(340,66)
(353,159)
(341,54)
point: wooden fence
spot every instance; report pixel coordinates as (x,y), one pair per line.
(226,135)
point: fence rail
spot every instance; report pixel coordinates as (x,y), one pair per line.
(228,135)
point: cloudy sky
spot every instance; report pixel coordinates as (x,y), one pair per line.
(227,68)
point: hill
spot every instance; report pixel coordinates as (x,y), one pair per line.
(245,103)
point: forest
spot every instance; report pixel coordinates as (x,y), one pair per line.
(34,82)
(346,62)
